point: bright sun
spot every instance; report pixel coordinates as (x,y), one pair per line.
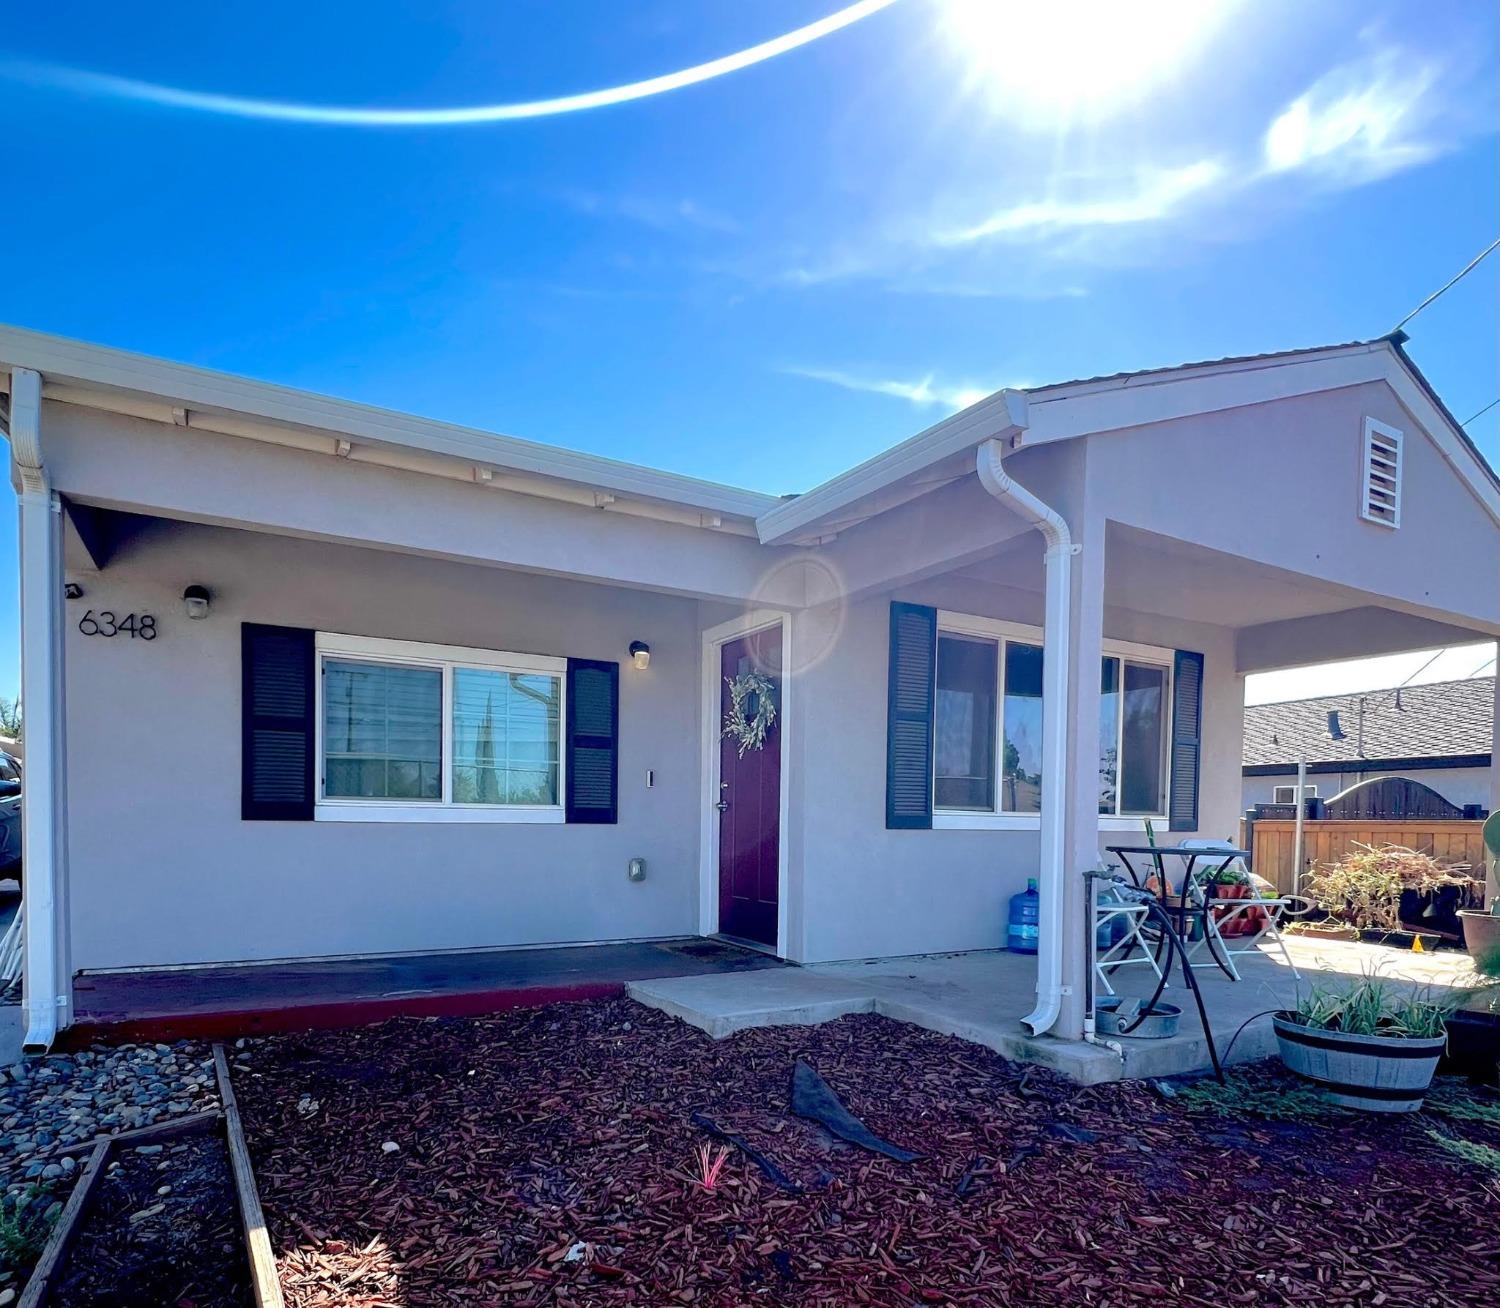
(1076,58)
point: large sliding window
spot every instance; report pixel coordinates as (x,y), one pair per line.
(438,732)
(987,757)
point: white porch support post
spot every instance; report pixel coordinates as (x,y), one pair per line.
(1058,564)
(1492,877)
(1081,839)
(46,992)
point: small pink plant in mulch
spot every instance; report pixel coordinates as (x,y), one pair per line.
(711,1165)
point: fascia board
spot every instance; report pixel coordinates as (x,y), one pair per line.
(1003,412)
(198,388)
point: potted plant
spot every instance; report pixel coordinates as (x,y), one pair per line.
(1232,882)
(1364,889)
(1368,1043)
(1482,930)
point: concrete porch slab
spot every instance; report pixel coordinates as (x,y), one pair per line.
(950,994)
(982,997)
(793,996)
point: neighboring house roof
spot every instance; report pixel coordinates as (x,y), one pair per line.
(1442,723)
(191,397)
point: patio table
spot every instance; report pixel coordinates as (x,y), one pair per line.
(1186,909)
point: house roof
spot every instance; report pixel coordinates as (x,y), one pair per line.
(188,396)
(1064,410)
(142,386)
(1439,720)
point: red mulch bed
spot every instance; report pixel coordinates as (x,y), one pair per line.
(523,1136)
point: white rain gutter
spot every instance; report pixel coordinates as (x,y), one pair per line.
(41,596)
(1059,567)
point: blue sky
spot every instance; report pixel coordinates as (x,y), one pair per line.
(768,276)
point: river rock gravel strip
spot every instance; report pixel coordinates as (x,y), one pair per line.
(49,1103)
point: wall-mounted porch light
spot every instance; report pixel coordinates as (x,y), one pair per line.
(195,601)
(640,654)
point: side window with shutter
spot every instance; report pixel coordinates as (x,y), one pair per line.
(1187,738)
(277,710)
(593,726)
(909,713)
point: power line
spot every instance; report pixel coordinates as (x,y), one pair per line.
(1467,269)
(1482,666)
(1481,413)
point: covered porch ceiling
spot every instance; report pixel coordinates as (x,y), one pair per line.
(1280,618)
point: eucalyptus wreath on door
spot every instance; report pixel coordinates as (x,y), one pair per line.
(751,711)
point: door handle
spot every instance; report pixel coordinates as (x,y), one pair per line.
(722,806)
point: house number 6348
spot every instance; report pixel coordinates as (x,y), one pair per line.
(104,623)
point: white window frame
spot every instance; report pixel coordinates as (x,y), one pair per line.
(1309,791)
(445,659)
(968,624)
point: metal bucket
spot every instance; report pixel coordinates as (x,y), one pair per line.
(1158,1024)
(1379,1074)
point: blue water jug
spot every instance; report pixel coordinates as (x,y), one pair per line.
(1025,912)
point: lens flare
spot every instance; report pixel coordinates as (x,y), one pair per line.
(126,88)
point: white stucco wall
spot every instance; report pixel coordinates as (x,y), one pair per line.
(871,892)
(1279,483)
(164,871)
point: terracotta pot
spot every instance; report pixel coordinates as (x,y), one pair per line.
(1481,932)
(1237,924)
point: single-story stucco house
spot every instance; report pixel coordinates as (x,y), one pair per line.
(306,678)
(1440,733)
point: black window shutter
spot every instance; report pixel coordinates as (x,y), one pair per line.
(909,710)
(593,741)
(1187,738)
(277,706)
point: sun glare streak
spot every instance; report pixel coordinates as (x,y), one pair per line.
(1066,59)
(126,88)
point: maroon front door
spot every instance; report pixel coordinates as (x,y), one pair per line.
(750,801)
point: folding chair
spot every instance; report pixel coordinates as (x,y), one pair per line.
(1112,910)
(1118,911)
(1262,913)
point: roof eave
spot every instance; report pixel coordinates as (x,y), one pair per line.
(1001,414)
(78,365)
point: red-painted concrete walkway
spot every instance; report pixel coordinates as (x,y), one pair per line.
(218,1002)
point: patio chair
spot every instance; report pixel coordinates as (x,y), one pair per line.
(1258,914)
(1129,917)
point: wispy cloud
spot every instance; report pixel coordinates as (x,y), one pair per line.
(925,393)
(658,214)
(1154,195)
(1359,122)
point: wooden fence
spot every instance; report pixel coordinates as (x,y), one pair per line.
(1326,840)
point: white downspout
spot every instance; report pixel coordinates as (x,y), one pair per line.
(1059,568)
(41,597)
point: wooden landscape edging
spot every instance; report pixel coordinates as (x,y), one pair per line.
(264,1280)
(62,1234)
(189,1125)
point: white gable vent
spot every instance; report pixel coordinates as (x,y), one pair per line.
(1380,486)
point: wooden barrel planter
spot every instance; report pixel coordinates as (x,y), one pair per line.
(1379,1074)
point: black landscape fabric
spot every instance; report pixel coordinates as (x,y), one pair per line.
(813,1098)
